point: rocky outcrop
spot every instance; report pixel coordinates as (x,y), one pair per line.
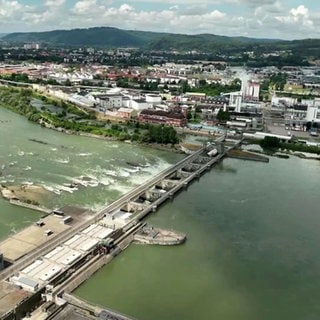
(32,194)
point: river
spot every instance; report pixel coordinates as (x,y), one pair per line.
(253,250)
(103,170)
(253,247)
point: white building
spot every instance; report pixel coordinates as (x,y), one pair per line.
(153,98)
(313,114)
(110,101)
(140,104)
(235,101)
(80,100)
(283,101)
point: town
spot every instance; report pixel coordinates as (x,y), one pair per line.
(197,95)
(153,98)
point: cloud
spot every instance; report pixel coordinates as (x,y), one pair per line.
(84,6)
(9,9)
(255,3)
(297,16)
(54,3)
(196,9)
(255,18)
(175,7)
(126,8)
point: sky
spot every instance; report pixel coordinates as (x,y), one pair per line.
(276,19)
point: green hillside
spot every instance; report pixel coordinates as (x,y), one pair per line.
(106,37)
(97,37)
(113,37)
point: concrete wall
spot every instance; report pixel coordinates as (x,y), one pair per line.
(85,273)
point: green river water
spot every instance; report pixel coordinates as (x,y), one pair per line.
(253,247)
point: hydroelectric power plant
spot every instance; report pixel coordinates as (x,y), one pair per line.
(46,275)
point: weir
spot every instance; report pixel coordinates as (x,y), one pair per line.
(122,218)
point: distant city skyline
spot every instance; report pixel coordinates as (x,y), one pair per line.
(282,19)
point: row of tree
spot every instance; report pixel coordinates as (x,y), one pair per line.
(274,143)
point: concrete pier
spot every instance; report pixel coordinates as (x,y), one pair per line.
(156,236)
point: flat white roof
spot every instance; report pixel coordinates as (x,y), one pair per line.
(88,244)
(89,229)
(54,252)
(80,239)
(49,272)
(38,269)
(122,215)
(68,256)
(32,266)
(43,271)
(83,243)
(104,233)
(63,255)
(72,240)
(97,231)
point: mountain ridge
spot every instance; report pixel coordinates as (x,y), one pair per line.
(111,37)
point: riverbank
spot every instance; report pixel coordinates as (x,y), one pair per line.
(70,119)
(285,154)
(293,148)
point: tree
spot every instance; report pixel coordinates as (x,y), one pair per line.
(223,116)
(308,125)
(67,82)
(270,142)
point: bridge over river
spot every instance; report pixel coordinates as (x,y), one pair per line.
(118,221)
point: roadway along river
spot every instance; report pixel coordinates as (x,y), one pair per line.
(253,248)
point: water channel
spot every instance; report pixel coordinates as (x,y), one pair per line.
(253,248)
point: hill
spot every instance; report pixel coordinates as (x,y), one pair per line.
(96,37)
(113,37)
(107,37)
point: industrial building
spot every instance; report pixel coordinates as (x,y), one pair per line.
(40,272)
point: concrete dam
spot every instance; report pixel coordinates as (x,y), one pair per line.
(41,277)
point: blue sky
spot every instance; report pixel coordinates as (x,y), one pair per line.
(282,19)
